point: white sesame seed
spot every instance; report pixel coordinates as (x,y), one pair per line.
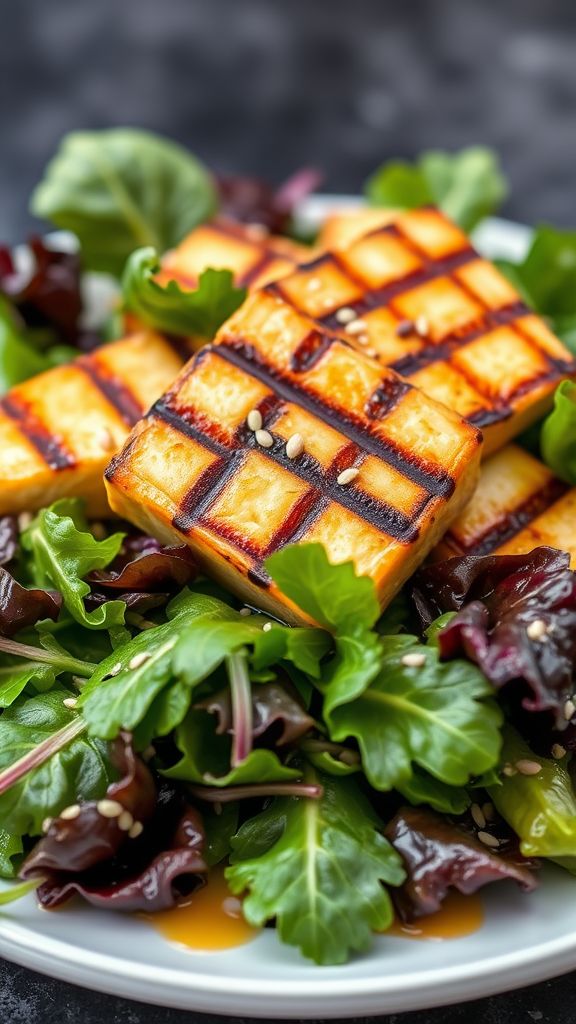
(254,419)
(478,815)
(70,702)
(488,811)
(347,476)
(372,352)
(245,611)
(537,630)
(345,315)
(136,830)
(414,660)
(356,327)
(422,326)
(264,438)
(116,669)
(125,821)
(569,709)
(267,627)
(139,659)
(527,767)
(294,446)
(314,284)
(71,812)
(328,302)
(558,751)
(109,808)
(46,824)
(509,770)
(489,840)
(24,520)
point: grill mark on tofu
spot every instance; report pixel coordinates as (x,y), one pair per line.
(304,515)
(48,445)
(437,482)
(200,498)
(114,390)
(310,351)
(259,266)
(513,521)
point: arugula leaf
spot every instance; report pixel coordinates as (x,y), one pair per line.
(219,831)
(63,552)
(434,714)
(15,677)
(18,358)
(558,439)
(168,307)
(120,189)
(77,771)
(206,757)
(467,185)
(317,867)
(10,847)
(422,788)
(540,808)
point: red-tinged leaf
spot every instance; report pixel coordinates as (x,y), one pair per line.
(273,708)
(20,607)
(48,296)
(8,539)
(143,565)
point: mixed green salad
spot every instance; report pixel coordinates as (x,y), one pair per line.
(153,727)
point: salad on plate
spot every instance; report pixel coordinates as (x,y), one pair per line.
(287,528)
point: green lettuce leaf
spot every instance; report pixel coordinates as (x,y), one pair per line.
(558,438)
(317,868)
(121,189)
(168,307)
(77,771)
(423,788)
(10,848)
(63,552)
(467,185)
(18,357)
(437,715)
(14,679)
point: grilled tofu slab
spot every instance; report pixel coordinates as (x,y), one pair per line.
(415,295)
(266,439)
(253,255)
(58,430)
(519,504)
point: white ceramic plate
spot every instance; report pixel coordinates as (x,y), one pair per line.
(524,939)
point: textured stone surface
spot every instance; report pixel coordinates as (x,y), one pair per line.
(266,85)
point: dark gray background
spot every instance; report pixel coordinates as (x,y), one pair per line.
(265,86)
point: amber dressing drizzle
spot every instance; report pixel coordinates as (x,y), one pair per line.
(459,916)
(211,919)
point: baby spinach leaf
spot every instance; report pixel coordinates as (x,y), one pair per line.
(10,847)
(63,552)
(317,867)
(434,714)
(423,788)
(168,307)
(76,771)
(558,438)
(467,185)
(121,189)
(15,677)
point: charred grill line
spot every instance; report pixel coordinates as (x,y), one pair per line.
(304,515)
(260,264)
(202,495)
(162,410)
(437,483)
(50,447)
(115,391)
(310,351)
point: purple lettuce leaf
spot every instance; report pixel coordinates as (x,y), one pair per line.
(49,295)
(496,600)
(253,201)
(439,856)
(20,607)
(8,539)
(276,714)
(144,566)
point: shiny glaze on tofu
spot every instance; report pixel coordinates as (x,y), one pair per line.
(194,471)
(519,505)
(415,295)
(59,429)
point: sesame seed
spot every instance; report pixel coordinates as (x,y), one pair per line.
(509,770)
(414,660)
(125,821)
(139,659)
(362,339)
(404,328)
(356,327)
(267,627)
(245,611)
(294,446)
(24,520)
(488,811)
(422,326)
(70,702)
(71,812)
(264,438)
(537,630)
(254,420)
(478,815)
(489,840)
(46,824)
(372,352)
(345,315)
(116,669)
(569,709)
(347,476)
(527,767)
(109,808)
(328,302)
(558,751)
(136,830)
(105,440)
(314,284)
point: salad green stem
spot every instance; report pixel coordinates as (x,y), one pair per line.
(241,693)
(63,662)
(215,795)
(16,892)
(43,752)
